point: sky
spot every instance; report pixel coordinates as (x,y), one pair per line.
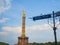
(37,31)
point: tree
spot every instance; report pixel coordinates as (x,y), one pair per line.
(3,43)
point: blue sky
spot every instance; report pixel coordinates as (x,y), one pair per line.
(38,31)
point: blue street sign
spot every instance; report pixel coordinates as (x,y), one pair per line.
(57,13)
(42,17)
(46,16)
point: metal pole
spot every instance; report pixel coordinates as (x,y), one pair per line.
(54,29)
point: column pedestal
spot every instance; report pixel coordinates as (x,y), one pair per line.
(22,41)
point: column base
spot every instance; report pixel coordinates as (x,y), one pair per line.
(22,41)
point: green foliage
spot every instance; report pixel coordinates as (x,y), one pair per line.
(3,43)
(49,43)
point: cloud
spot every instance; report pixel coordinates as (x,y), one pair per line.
(12,29)
(5,5)
(39,27)
(3,33)
(3,20)
(28,28)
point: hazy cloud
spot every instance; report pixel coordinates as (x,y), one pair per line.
(3,20)
(5,5)
(34,27)
(39,27)
(28,28)
(3,33)
(12,29)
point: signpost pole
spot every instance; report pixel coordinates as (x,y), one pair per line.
(54,29)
